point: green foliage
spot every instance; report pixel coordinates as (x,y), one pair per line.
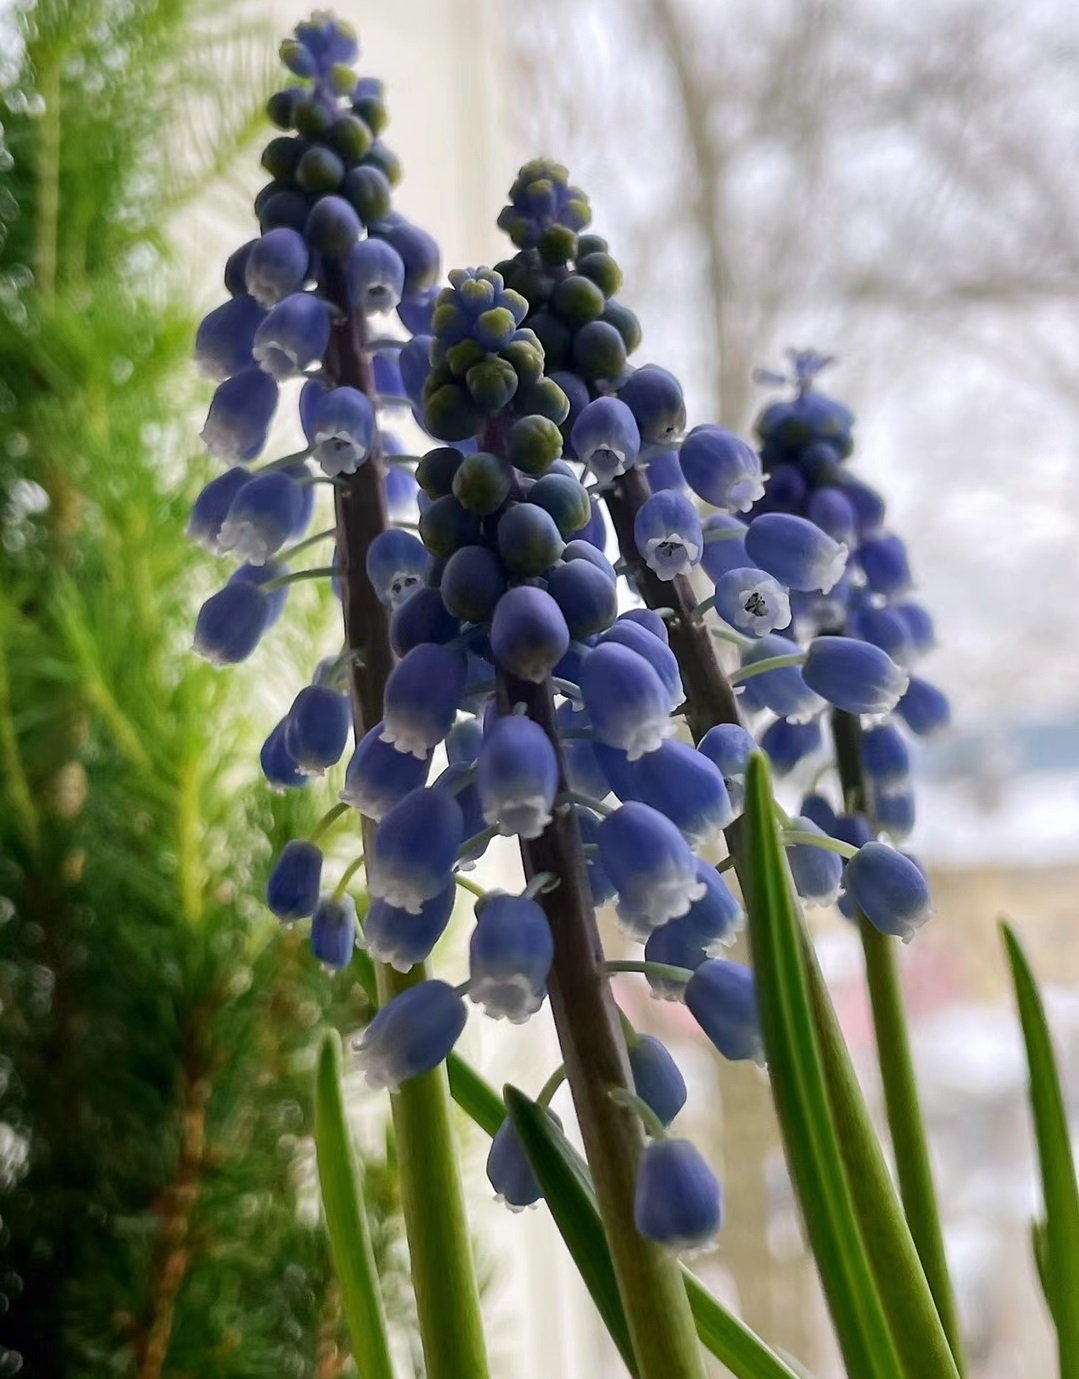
(346,1218)
(157,1031)
(1056,1239)
(814,1151)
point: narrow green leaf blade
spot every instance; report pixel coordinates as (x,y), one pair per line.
(731,1341)
(475,1096)
(813,1151)
(920,1336)
(575,1215)
(346,1219)
(1060,1237)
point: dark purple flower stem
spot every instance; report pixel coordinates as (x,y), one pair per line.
(594,1052)
(447,1298)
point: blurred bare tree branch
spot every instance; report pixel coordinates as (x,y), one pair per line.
(896,186)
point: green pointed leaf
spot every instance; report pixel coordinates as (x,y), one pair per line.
(346,1219)
(731,1341)
(813,1150)
(921,1340)
(1059,1255)
(475,1096)
(563,1176)
(566,1192)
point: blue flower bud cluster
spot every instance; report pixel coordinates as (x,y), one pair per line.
(795,546)
(870,614)
(326,212)
(504,600)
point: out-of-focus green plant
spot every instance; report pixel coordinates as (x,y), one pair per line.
(155,1030)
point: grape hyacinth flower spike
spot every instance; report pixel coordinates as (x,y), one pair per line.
(492,639)
(331,251)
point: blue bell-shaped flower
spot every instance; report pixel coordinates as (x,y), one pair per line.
(509,957)
(677,1200)
(411,1034)
(226,337)
(721,468)
(423,694)
(854,675)
(378,776)
(333,930)
(625,698)
(529,635)
(415,848)
(517,776)
(650,865)
(292,891)
(293,335)
(375,274)
(342,430)
(817,872)
(264,514)
(393,936)
(729,746)
(889,889)
(687,787)
(752,601)
(276,266)
(317,727)
(605,438)
(240,414)
(508,1169)
(796,551)
(396,565)
(279,766)
(230,623)
(668,535)
(722,998)
(211,508)
(656,1077)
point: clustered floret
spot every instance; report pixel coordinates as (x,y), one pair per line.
(522,371)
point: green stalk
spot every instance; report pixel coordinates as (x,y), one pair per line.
(920,1336)
(799,1085)
(443,1273)
(904,1112)
(346,1218)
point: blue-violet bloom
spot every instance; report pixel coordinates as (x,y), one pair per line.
(721,468)
(626,701)
(656,1077)
(423,694)
(400,939)
(517,777)
(722,998)
(677,1200)
(230,623)
(854,675)
(752,601)
(293,888)
(889,889)
(509,957)
(650,865)
(333,930)
(668,535)
(415,848)
(796,551)
(411,1034)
